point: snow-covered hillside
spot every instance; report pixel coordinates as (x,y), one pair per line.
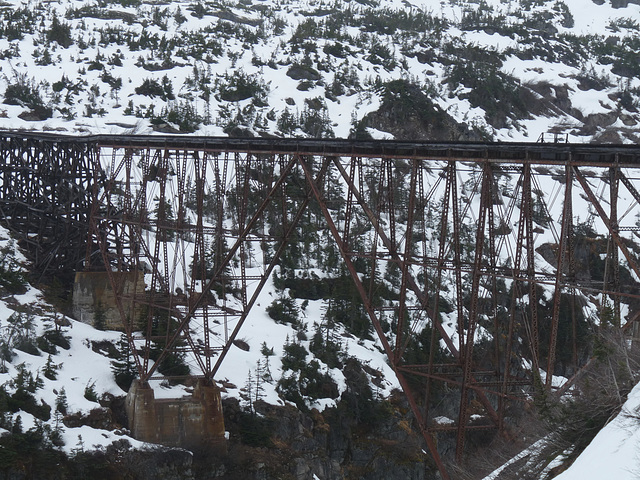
(503,70)
(614,451)
(53,359)
(58,375)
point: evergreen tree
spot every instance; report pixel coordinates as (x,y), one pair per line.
(258,391)
(123,367)
(56,434)
(61,402)
(99,317)
(248,391)
(266,367)
(50,369)
(90,392)
(17,425)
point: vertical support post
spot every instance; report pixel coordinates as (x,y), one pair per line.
(533,295)
(615,263)
(565,232)
(408,247)
(449,193)
(478,271)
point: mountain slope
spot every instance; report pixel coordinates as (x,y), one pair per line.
(506,71)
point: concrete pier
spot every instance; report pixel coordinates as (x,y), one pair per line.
(92,290)
(193,422)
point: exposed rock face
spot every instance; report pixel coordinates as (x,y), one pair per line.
(408,113)
(116,461)
(328,445)
(303,72)
(97,418)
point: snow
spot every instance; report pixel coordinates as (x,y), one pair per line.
(527,451)
(88,438)
(238,54)
(613,453)
(259,329)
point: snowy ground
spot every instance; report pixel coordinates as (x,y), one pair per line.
(614,452)
(268,58)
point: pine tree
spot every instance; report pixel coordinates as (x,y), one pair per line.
(123,367)
(259,380)
(50,369)
(16,428)
(99,317)
(248,388)
(61,402)
(56,434)
(90,392)
(266,367)
(79,447)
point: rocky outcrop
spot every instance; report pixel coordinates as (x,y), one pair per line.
(338,443)
(407,112)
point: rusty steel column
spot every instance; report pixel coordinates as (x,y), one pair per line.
(374,319)
(527,208)
(478,271)
(615,264)
(562,264)
(607,222)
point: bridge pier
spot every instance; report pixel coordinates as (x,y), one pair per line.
(93,292)
(194,422)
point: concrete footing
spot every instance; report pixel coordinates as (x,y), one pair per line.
(194,422)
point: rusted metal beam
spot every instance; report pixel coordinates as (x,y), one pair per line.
(431,445)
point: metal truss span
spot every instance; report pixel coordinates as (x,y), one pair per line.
(45,198)
(469,260)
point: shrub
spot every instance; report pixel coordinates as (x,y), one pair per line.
(326,347)
(294,357)
(241,86)
(23,92)
(50,369)
(151,87)
(173,365)
(123,367)
(497,93)
(60,32)
(597,397)
(90,392)
(315,119)
(287,122)
(27,345)
(284,310)
(181,114)
(307,383)
(23,399)
(46,346)
(56,337)
(255,430)
(316,384)
(19,333)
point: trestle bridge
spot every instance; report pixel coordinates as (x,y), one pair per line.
(485,245)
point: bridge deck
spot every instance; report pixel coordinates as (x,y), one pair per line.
(501,152)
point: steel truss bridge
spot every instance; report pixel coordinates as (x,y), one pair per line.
(483,243)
